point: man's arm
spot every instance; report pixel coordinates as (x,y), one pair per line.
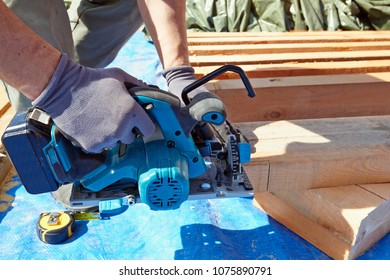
(92,107)
(165,20)
(19,45)
(166,23)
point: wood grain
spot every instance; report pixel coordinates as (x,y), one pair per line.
(343,222)
(314,153)
(298,75)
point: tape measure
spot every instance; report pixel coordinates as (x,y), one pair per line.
(57,227)
(86,216)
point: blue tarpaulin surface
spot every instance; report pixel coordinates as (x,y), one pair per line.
(213,229)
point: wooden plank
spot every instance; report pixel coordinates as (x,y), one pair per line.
(317,80)
(343,222)
(302,225)
(281,58)
(4,103)
(340,209)
(5,168)
(301,69)
(5,120)
(6,111)
(6,184)
(305,97)
(283,38)
(382,191)
(377,223)
(344,33)
(277,59)
(325,179)
(6,114)
(236,49)
(304,154)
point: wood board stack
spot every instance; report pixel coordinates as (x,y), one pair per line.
(319,128)
(298,75)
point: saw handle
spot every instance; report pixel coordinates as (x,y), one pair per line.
(214,74)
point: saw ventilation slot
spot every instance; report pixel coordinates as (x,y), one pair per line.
(165,193)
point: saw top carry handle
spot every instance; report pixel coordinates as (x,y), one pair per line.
(214,74)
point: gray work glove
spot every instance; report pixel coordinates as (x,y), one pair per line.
(202,101)
(92,107)
(178,77)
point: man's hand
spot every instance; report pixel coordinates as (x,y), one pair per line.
(178,77)
(92,107)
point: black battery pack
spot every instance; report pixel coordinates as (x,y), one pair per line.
(41,167)
(24,140)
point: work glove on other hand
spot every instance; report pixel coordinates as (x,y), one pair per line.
(92,107)
(178,77)
(202,101)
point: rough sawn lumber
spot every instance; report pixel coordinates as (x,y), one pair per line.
(303,154)
(325,179)
(339,74)
(350,234)
(304,97)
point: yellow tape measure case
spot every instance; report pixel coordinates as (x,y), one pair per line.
(55,227)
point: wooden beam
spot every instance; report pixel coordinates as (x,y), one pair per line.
(6,184)
(5,166)
(328,180)
(305,97)
(238,49)
(302,225)
(284,59)
(6,114)
(318,80)
(329,69)
(305,154)
(214,38)
(301,69)
(5,120)
(343,222)
(280,58)
(343,34)
(283,40)
(4,103)
(376,224)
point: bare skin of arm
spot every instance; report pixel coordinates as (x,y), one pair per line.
(165,21)
(27,61)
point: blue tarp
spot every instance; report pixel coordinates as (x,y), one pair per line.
(213,229)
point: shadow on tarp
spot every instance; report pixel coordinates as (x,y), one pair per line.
(270,242)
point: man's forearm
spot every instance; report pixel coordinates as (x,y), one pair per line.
(165,20)
(27,62)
